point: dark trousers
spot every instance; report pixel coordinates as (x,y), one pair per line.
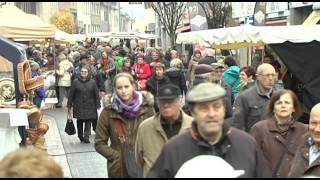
(63,92)
(87,128)
(94,124)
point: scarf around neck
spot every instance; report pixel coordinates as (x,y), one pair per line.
(128,110)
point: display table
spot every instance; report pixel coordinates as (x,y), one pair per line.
(10,120)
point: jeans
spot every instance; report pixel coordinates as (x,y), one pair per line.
(63,92)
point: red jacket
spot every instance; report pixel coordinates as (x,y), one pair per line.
(142,70)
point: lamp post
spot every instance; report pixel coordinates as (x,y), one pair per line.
(119,17)
(131,22)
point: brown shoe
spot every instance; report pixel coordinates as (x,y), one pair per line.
(32,136)
(40,144)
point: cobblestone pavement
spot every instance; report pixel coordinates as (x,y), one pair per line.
(78,160)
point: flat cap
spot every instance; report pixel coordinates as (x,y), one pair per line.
(205,92)
(168,92)
(203,69)
(217,65)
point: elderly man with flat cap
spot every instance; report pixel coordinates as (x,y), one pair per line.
(209,135)
(155,131)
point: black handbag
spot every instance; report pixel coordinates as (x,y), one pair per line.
(133,169)
(70,129)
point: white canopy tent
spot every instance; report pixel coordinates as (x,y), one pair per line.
(16,24)
(123,35)
(244,36)
(63,37)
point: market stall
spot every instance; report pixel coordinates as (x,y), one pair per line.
(17,25)
(14,54)
(297,46)
(246,36)
(63,37)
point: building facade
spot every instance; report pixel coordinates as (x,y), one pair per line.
(276,13)
(88,16)
(124,22)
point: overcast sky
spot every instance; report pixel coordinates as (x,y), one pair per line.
(133,10)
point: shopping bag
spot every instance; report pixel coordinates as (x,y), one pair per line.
(70,129)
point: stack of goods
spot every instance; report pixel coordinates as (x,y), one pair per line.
(27,85)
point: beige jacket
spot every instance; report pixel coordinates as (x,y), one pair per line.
(64,74)
(151,138)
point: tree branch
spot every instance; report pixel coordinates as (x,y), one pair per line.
(170,15)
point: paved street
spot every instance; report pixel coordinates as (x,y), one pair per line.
(78,160)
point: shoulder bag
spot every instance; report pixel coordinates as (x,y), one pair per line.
(132,168)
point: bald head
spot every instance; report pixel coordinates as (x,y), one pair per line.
(265,67)
(266,76)
(314,122)
(315,111)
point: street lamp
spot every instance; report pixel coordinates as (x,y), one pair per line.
(131,22)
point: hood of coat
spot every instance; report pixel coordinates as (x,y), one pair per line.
(233,71)
(173,72)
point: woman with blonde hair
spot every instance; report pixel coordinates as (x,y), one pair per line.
(29,163)
(123,112)
(176,75)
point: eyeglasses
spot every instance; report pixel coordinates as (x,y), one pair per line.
(268,75)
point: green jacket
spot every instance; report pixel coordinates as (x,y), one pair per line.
(232,77)
(119,61)
(106,131)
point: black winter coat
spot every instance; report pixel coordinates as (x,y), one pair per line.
(250,107)
(236,147)
(84,98)
(178,78)
(153,85)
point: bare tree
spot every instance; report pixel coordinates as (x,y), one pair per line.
(217,13)
(170,15)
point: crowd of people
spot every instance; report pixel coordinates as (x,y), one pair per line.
(158,112)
